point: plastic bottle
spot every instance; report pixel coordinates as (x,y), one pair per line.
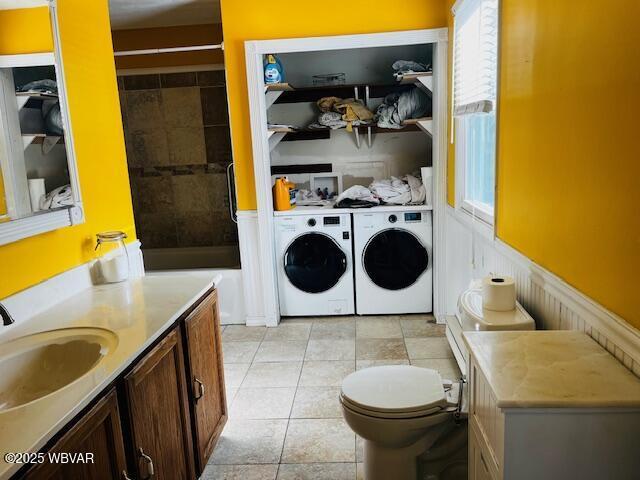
(273,71)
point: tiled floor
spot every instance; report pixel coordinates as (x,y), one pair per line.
(283,385)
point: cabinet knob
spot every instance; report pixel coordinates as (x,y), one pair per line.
(199,390)
(147,459)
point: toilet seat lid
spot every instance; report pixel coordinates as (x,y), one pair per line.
(395,389)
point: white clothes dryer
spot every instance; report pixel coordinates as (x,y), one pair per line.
(315,264)
(393,261)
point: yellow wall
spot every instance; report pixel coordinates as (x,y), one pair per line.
(258,20)
(167,37)
(98,137)
(568,152)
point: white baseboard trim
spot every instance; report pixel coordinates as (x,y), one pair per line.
(42,296)
(554,303)
(255,321)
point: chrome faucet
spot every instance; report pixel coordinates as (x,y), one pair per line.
(7,319)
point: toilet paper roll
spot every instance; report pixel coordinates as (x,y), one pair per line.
(36,192)
(498,293)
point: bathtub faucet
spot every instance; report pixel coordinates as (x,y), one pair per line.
(7,319)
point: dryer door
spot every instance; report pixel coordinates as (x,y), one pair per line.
(394,259)
(314,262)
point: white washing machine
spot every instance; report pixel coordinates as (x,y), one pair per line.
(315,264)
(393,262)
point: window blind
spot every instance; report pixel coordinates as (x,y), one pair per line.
(475,56)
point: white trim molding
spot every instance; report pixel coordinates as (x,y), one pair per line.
(552,302)
(248,235)
(265,257)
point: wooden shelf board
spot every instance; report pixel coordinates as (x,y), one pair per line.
(414,121)
(41,95)
(409,78)
(278,87)
(281,130)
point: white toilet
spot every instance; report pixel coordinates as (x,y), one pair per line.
(401,411)
(404,412)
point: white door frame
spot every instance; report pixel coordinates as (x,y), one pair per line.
(254,50)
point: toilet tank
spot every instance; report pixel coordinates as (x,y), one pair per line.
(472,317)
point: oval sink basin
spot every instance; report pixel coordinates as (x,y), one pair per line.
(38,365)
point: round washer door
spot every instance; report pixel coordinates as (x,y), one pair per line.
(314,262)
(394,259)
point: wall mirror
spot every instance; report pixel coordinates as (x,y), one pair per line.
(39,190)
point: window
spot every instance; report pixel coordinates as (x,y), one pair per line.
(474,104)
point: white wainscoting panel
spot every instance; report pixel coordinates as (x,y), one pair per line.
(248,233)
(553,303)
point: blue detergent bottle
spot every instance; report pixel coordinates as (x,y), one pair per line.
(273,71)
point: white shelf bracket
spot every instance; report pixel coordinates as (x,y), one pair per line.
(275,138)
(271,96)
(425,84)
(426,126)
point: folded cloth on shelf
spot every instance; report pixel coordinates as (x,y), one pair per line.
(409,66)
(332,120)
(308,198)
(352,112)
(417,189)
(43,86)
(356,196)
(59,197)
(392,190)
(397,108)
(325,104)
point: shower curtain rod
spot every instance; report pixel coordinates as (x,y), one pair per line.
(156,51)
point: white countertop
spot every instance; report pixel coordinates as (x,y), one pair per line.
(137,311)
(552,369)
(329,209)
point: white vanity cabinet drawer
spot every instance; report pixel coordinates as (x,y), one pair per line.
(480,465)
(486,418)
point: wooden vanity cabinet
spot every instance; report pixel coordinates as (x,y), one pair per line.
(99,433)
(159,420)
(206,374)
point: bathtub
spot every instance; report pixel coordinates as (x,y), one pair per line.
(228,281)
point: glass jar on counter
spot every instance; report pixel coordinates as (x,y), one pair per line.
(114,260)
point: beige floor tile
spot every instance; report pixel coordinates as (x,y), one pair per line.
(359,449)
(288,332)
(318,440)
(421,328)
(262,403)
(447,367)
(240,472)
(433,347)
(242,333)
(317,402)
(298,320)
(317,471)
(277,374)
(331,350)
(230,393)
(380,349)
(359,471)
(378,328)
(325,373)
(239,352)
(360,364)
(234,373)
(250,442)
(334,329)
(281,351)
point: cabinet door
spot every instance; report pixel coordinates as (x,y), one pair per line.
(204,355)
(159,413)
(478,463)
(97,433)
